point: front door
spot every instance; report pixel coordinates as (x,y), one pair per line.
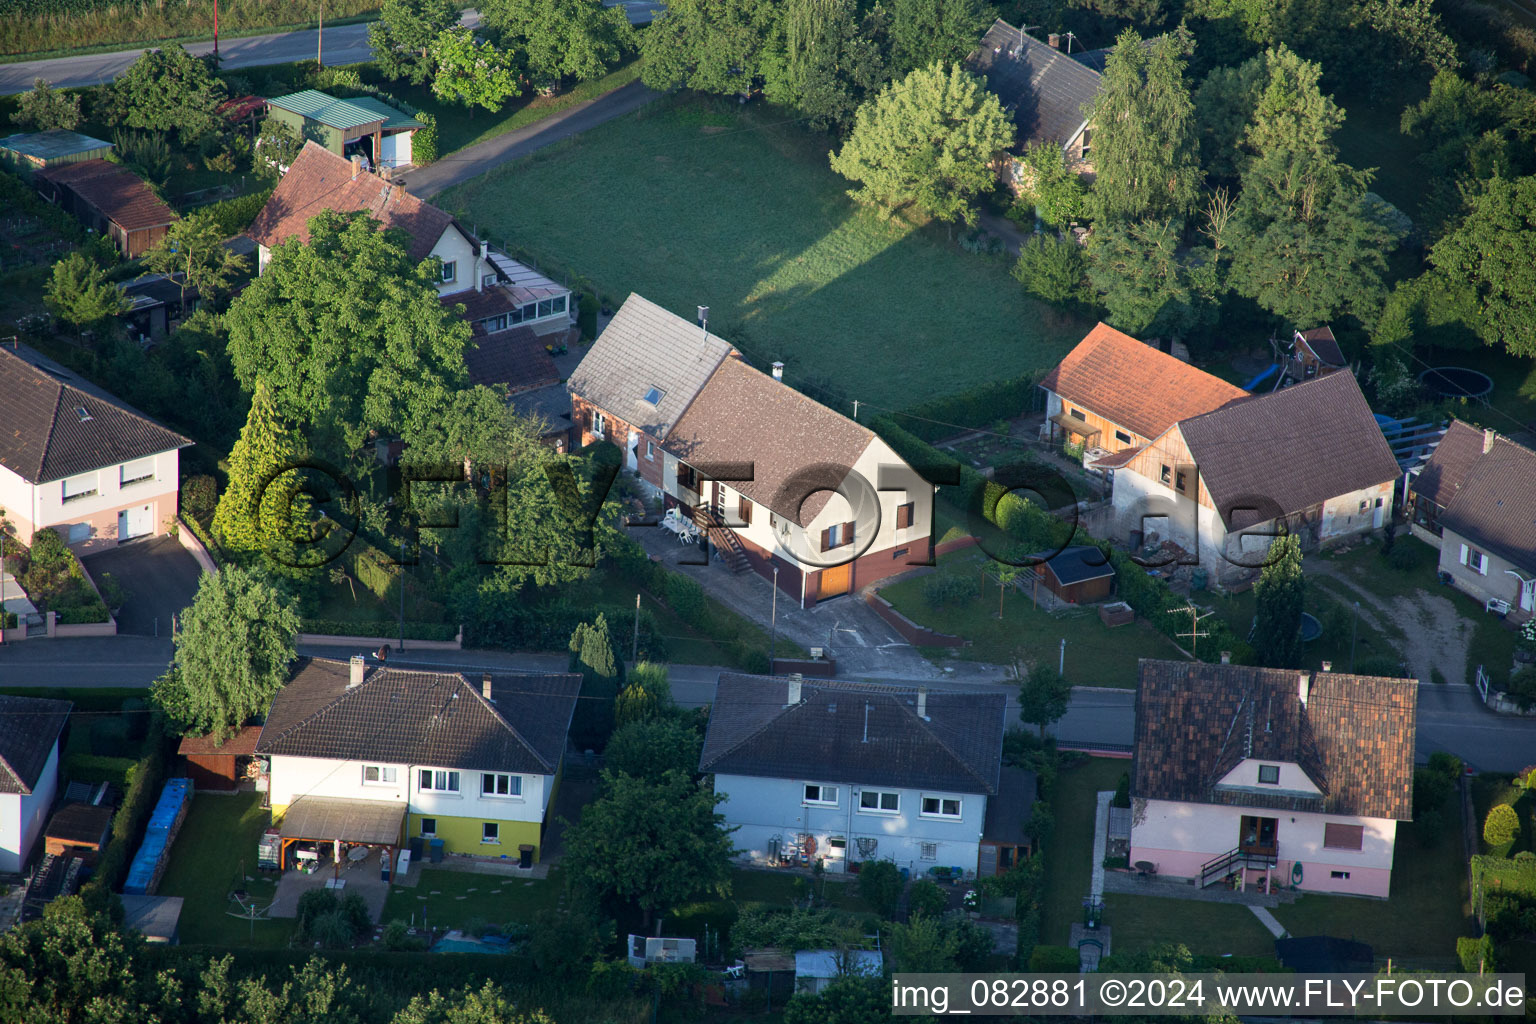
(631,452)
(135,522)
(1257,835)
(1380,517)
(1528,595)
(835,580)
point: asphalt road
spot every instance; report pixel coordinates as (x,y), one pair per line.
(1449,717)
(343,44)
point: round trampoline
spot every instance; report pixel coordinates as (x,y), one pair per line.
(1311,629)
(1457,382)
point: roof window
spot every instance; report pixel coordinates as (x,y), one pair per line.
(654,396)
(80,411)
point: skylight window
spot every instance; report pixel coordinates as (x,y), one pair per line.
(654,396)
(80,411)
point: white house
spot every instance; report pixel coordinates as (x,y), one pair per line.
(845,772)
(75,459)
(374,755)
(29,774)
(1257,775)
(785,486)
(498,292)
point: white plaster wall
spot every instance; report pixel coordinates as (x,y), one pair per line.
(1189,524)
(762,808)
(293,777)
(454,248)
(22,818)
(872,510)
(10,833)
(1210,830)
(16,498)
(1246,774)
(1342,515)
(110,494)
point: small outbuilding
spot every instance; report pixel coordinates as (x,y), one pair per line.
(27,152)
(80,829)
(219,766)
(1005,839)
(157,918)
(1079,574)
(362,125)
(815,969)
(111,199)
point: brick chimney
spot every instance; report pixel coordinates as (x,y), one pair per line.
(1226,657)
(1327,666)
(1054,39)
(357,669)
(1488,438)
(794,690)
(922,703)
(778,371)
(357,165)
(485,688)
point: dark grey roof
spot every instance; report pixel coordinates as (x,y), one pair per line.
(856,733)
(29,726)
(1093,60)
(42,435)
(645,347)
(1078,563)
(1284,452)
(1049,93)
(408,716)
(1458,451)
(1353,737)
(1009,812)
(1496,504)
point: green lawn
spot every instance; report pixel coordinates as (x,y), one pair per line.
(456,899)
(1208,929)
(215,848)
(1421,921)
(1097,655)
(1069,858)
(694,202)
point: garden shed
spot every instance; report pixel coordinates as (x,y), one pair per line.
(156,918)
(1079,574)
(111,199)
(219,766)
(33,151)
(363,124)
(80,829)
(1005,839)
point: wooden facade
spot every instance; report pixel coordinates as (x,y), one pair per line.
(1076,423)
(219,767)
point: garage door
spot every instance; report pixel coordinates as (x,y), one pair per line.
(835,581)
(136,522)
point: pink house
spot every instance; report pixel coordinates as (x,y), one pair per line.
(1251,776)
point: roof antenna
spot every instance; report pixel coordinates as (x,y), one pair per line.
(704,326)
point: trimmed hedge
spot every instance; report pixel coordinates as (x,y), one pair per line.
(413,630)
(8,620)
(548,627)
(978,407)
(95,768)
(144,780)
(234,216)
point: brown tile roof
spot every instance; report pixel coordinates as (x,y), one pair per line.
(478,305)
(242,743)
(1284,452)
(855,733)
(1048,93)
(1447,468)
(1496,505)
(320,180)
(409,716)
(744,416)
(29,726)
(1135,385)
(516,358)
(121,196)
(1353,737)
(44,438)
(80,823)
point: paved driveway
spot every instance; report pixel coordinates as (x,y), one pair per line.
(160,576)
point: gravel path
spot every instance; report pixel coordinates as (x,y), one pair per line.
(1435,636)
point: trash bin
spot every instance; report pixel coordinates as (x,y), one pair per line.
(417,845)
(525,856)
(384,866)
(437,851)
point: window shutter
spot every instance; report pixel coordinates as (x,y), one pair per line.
(826,539)
(1343,837)
(1463,554)
(847,533)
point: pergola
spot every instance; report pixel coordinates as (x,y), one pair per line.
(321,819)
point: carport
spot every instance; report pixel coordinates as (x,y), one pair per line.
(320,819)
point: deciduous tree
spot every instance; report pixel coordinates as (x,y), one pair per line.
(488,1004)
(929,31)
(927,141)
(716,46)
(1053,269)
(1145,154)
(79,293)
(1224,106)
(194,247)
(403,37)
(1044,696)
(1144,281)
(1278,595)
(829,59)
(350,336)
(1486,265)
(472,72)
(647,696)
(650,844)
(560,39)
(846,1000)
(277,144)
(233,652)
(168,90)
(650,748)
(46,109)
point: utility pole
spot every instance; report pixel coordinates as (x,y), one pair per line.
(215,33)
(1194,633)
(401,648)
(1354,631)
(1061,664)
(634,647)
(320,38)
(773,637)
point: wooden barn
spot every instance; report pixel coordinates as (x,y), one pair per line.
(111,199)
(1079,574)
(219,766)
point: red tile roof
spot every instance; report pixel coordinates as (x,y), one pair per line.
(1134,385)
(241,743)
(320,180)
(117,192)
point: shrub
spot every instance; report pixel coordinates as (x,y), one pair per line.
(926,897)
(1501,826)
(199,497)
(1054,960)
(1476,955)
(1402,557)
(1123,790)
(1446,764)
(332,930)
(1052,269)
(1431,789)
(880,885)
(1379,665)
(942,589)
(1522,686)
(424,142)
